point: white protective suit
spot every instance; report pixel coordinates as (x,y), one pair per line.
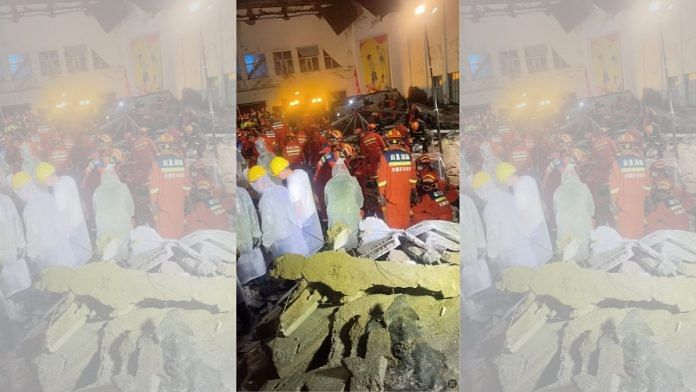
(70,210)
(490,161)
(14,275)
(507,246)
(29,161)
(574,208)
(305,210)
(344,199)
(113,209)
(47,240)
(247,221)
(250,264)
(532,219)
(282,233)
(475,275)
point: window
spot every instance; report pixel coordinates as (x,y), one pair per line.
(510,63)
(20,66)
(76,58)
(329,62)
(98,62)
(283,63)
(255,65)
(309,58)
(453,86)
(536,58)
(480,66)
(49,62)
(558,61)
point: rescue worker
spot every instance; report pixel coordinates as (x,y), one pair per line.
(302,199)
(574,209)
(419,134)
(371,146)
(507,245)
(59,157)
(282,233)
(246,223)
(67,198)
(530,210)
(396,179)
(169,188)
(474,275)
(113,210)
(12,249)
(668,213)
(344,199)
(265,157)
(144,152)
(292,151)
(208,212)
(47,241)
(432,204)
(629,186)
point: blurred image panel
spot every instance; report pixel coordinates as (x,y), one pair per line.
(577,195)
(348,195)
(117,195)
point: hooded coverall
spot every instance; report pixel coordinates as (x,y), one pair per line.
(113,209)
(302,198)
(169,187)
(344,199)
(629,185)
(396,178)
(70,210)
(574,208)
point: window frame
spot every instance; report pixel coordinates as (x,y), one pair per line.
(26,60)
(76,63)
(255,68)
(537,63)
(283,66)
(510,66)
(50,67)
(308,63)
(476,74)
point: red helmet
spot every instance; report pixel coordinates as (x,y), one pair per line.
(104,139)
(566,139)
(335,135)
(424,160)
(430,179)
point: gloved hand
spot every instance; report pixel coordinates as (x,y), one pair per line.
(257,242)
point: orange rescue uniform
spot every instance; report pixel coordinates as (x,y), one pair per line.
(169,187)
(433,205)
(629,185)
(396,177)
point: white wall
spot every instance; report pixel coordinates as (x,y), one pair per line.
(406,50)
(638,28)
(180,38)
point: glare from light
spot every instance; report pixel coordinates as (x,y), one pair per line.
(297,93)
(61,105)
(85,102)
(434,10)
(319,99)
(420,10)
(194,7)
(314,100)
(582,104)
(120,104)
(524,95)
(338,114)
(64,95)
(655,6)
(350,102)
(521,105)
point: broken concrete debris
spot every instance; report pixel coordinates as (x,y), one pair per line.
(621,323)
(349,275)
(365,325)
(161,324)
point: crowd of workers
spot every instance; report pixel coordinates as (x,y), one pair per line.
(310,178)
(545,193)
(68,196)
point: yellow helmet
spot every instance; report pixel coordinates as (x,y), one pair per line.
(20,179)
(480,179)
(278,164)
(255,173)
(44,170)
(504,171)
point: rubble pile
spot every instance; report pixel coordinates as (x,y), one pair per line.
(164,325)
(358,324)
(626,322)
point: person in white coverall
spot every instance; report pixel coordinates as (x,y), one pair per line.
(264,159)
(47,240)
(69,208)
(113,209)
(12,247)
(303,202)
(282,233)
(530,210)
(475,275)
(248,238)
(507,244)
(574,208)
(344,199)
